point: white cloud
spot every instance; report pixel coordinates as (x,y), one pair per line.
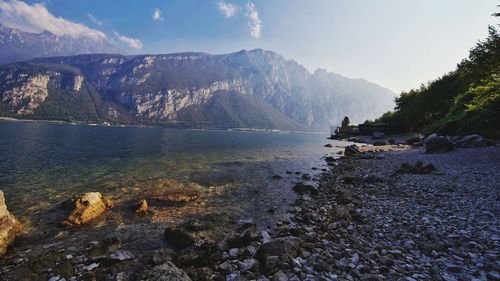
(36,18)
(93,19)
(227,9)
(157,15)
(131,42)
(253,20)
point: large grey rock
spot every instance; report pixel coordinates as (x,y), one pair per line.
(378,135)
(474,141)
(352,150)
(9,226)
(438,144)
(285,246)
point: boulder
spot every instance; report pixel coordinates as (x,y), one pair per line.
(85,208)
(245,233)
(413,140)
(208,228)
(438,144)
(351,150)
(9,226)
(418,168)
(284,247)
(301,188)
(165,272)
(378,135)
(141,207)
(474,141)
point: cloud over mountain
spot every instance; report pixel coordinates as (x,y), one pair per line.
(36,18)
(131,42)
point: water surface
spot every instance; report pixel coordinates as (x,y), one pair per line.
(44,164)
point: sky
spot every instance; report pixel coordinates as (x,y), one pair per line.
(398,44)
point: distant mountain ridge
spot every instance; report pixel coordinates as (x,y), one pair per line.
(257,88)
(17,45)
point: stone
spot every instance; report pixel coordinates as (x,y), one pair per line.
(85,208)
(265,236)
(121,255)
(188,233)
(9,226)
(235,276)
(233,253)
(378,135)
(438,144)
(474,141)
(280,276)
(352,150)
(284,246)
(271,262)
(165,272)
(417,168)
(341,213)
(91,266)
(413,140)
(302,188)
(246,264)
(141,207)
(371,178)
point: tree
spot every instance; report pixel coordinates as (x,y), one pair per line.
(346,122)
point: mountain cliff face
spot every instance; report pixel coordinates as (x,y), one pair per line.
(257,88)
(16,45)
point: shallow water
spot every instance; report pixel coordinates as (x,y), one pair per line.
(44,164)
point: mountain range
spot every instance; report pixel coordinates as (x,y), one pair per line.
(17,45)
(253,89)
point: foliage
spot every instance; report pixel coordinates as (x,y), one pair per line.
(461,102)
(346,122)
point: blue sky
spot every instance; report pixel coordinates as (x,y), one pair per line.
(395,43)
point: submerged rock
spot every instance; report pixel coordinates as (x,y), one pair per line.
(141,207)
(301,188)
(186,234)
(179,196)
(9,226)
(85,208)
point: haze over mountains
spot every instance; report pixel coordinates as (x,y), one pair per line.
(256,88)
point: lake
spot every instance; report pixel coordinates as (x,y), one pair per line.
(44,164)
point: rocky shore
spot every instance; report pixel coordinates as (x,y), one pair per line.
(382,213)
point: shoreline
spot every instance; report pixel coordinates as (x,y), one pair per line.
(182,127)
(364,221)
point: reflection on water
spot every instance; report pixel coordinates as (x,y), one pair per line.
(43,164)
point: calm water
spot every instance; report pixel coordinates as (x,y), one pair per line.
(43,164)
